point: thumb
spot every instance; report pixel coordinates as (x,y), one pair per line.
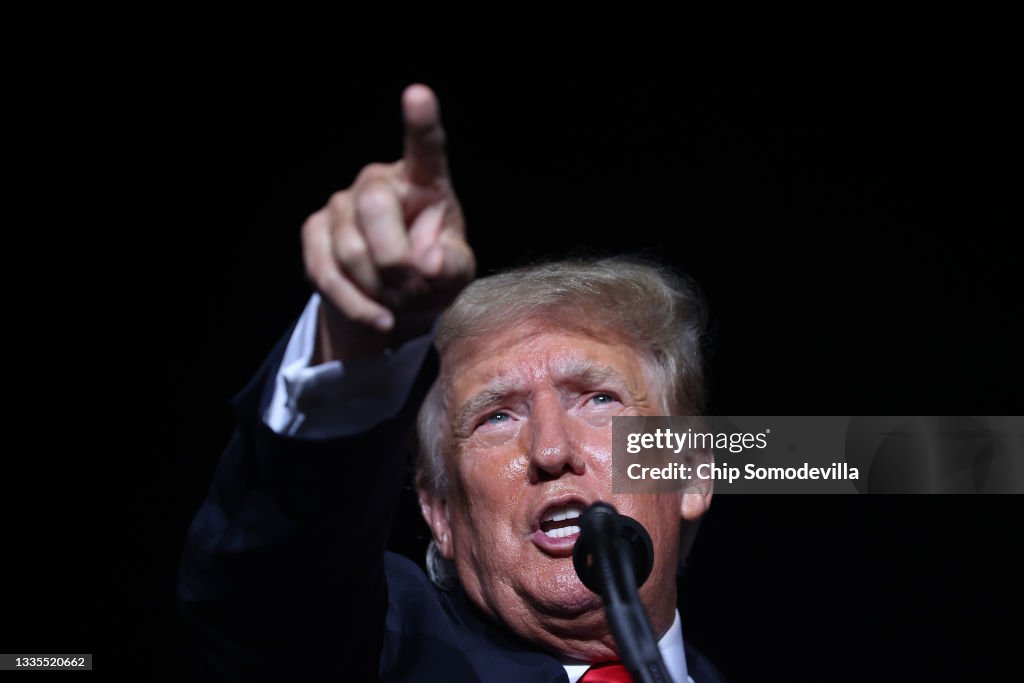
(450,259)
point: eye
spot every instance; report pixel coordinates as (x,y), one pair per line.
(599,408)
(497,418)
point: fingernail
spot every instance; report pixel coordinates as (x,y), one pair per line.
(385,322)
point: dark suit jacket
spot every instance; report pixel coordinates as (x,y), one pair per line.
(285,574)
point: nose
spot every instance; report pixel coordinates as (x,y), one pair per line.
(553,450)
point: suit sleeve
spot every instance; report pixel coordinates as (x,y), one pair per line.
(282,573)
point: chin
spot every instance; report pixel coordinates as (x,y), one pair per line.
(559,592)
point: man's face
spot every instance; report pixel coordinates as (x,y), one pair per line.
(530,412)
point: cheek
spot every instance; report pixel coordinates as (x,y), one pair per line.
(489,488)
(659,513)
(595,443)
(490,436)
(491,463)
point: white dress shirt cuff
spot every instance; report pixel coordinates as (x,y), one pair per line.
(334,400)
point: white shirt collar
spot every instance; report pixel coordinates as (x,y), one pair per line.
(670,646)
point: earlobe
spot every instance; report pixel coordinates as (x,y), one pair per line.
(695,502)
(435,513)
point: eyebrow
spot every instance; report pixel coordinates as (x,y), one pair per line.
(491,395)
(575,372)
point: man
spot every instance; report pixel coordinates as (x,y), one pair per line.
(284,573)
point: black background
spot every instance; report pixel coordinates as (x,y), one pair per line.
(845,224)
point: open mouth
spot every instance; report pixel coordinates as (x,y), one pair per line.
(557,527)
(562,521)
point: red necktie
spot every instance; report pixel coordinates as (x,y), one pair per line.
(607,673)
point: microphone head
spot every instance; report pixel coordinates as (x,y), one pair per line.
(601,526)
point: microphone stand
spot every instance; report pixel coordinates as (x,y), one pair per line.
(613,557)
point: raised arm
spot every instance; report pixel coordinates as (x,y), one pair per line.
(282,573)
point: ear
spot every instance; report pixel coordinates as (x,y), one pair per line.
(435,512)
(697,493)
(695,502)
(696,499)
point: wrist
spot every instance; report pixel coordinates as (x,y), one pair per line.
(342,339)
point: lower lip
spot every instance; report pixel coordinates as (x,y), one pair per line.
(559,547)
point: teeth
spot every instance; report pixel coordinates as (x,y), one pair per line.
(563,532)
(559,514)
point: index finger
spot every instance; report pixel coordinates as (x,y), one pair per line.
(425,160)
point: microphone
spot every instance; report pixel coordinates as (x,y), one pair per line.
(613,557)
(602,529)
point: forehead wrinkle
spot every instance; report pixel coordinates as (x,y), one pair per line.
(582,369)
(513,376)
(570,368)
(506,383)
(585,372)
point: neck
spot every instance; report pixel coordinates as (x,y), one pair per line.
(583,635)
